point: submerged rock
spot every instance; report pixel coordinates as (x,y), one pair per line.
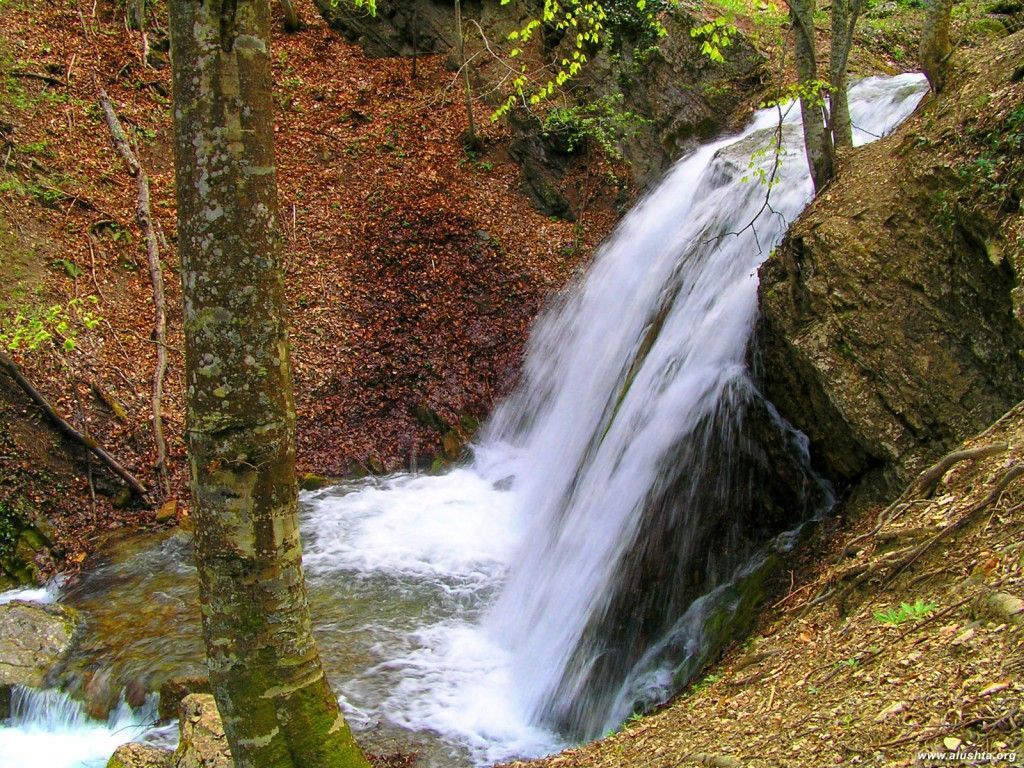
(174,691)
(33,639)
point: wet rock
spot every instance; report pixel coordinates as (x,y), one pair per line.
(33,639)
(203,743)
(168,511)
(887,331)
(314,482)
(174,691)
(100,693)
(140,756)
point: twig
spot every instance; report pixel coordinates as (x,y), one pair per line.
(49,79)
(62,424)
(144,216)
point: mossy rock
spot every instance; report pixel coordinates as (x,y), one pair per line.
(140,756)
(23,542)
(33,639)
(314,482)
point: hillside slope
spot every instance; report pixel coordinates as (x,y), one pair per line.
(414,268)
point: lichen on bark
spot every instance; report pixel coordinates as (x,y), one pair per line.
(265,672)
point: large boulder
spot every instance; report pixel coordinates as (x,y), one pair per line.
(890,323)
(33,639)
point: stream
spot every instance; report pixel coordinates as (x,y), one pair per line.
(470,616)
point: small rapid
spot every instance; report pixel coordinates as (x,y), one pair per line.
(532,598)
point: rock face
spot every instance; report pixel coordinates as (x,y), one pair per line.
(202,743)
(686,98)
(890,322)
(33,638)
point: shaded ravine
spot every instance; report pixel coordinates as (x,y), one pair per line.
(617,504)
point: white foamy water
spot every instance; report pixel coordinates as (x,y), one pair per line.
(455,528)
(47,729)
(44,594)
(473,588)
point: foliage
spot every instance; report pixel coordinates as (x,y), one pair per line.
(627,20)
(370,6)
(715,36)
(603,121)
(61,323)
(585,22)
(906,612)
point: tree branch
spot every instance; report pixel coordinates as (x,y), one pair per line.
(144,216)
(91,445)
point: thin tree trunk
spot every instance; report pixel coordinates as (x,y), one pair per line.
(936,46)
(415,26)
(844,19)
(144,215)
(277,706)
(62,424)
(292,22)
(817,135)
(464,67)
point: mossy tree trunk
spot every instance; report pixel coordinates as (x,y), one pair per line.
(265,672)
(936,46)
(844,19)
(817,131)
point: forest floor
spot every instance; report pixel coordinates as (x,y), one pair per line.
(898,638)
(414,267)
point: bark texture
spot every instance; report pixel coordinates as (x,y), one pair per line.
(817,131)
(265,672)
(844,18)
(936,47)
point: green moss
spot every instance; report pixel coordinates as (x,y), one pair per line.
(733,617)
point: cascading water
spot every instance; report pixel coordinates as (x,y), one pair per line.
(618,503)
(647,482)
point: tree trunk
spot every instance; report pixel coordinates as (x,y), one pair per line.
(844,19)
(471,139)
(292,22)
(277,706)
(817,134)
(936,47)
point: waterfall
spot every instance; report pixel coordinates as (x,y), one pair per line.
(651,468)
(49,728)
(621,510)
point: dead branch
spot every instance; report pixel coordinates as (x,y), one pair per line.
(62,424)
(48,79)
(143,214)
